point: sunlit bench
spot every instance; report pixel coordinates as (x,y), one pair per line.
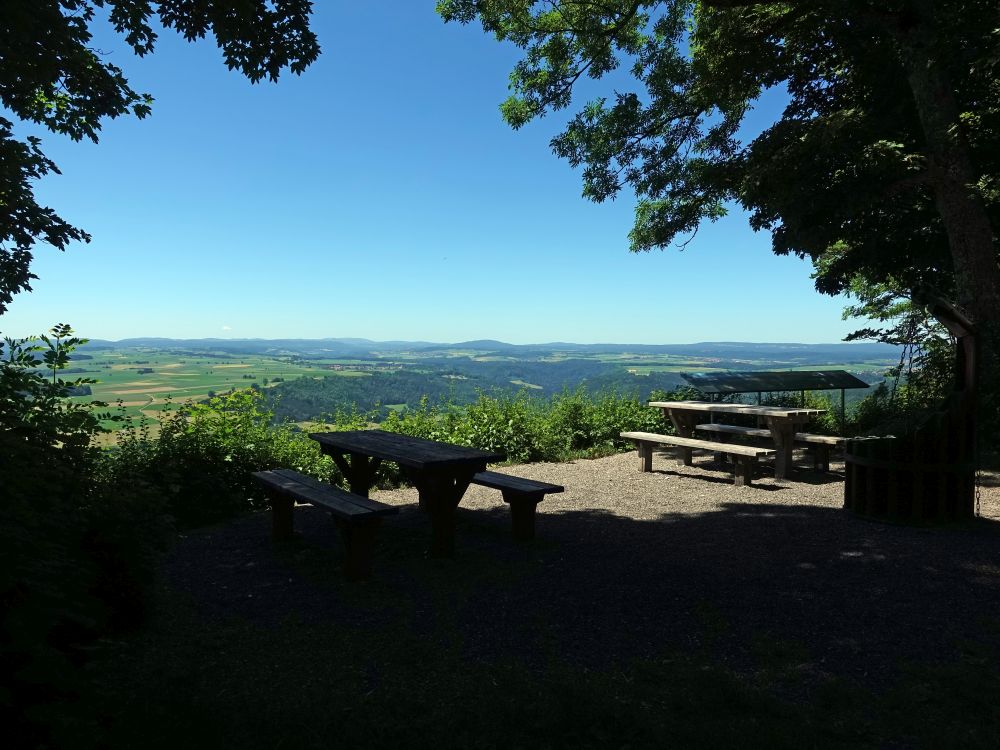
(744,456)
(819,445)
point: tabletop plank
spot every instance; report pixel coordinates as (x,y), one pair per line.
(405,450)
(757,411)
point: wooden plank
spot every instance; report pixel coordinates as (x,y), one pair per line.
(806,437)
(762,411)
(731,429)
(499,481)
(407,451)
(800,437)
(309,490)
(742,450)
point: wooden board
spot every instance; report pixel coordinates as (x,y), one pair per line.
(499,481)
(407,451)
(800,437)
(740,450)
(309,490)
(757,411)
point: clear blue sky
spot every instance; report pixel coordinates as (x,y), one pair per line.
(378,195)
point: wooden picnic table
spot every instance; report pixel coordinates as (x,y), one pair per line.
(783,423)
(441,472)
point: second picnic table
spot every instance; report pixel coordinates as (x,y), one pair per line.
(441,472)
(782,423)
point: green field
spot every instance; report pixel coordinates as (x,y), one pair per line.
(143,383)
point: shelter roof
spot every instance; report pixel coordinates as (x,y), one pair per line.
(760,381)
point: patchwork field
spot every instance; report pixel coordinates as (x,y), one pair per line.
(144,383)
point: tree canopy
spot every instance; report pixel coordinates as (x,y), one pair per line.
(884,163)
(52,75)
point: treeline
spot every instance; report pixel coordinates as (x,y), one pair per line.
(311,398)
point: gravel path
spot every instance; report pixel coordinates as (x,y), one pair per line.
(630,565)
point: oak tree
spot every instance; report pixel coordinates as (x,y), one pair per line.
(884,164)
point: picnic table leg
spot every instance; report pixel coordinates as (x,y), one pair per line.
(783,433)
(684,423)
(359,471)
(439,496)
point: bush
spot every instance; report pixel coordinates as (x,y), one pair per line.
(203,457)
(569,425)
(592,425)
(512,425)
(76,553)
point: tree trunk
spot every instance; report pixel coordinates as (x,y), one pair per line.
(966,222)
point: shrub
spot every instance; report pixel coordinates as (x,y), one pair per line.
(512,425)
(615,413)
(203,457)
(76,554)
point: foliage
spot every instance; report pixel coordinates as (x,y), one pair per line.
(512,425)
(848,150)
(52,76)
(569,425)
(454,381)
(203,456)
(76,552)
(594,423)
(883,165)
(924,377)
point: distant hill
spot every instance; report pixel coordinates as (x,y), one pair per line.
(348,347)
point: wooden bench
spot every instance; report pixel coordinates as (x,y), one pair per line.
(745,456)
(522,495)
(819,445)
(358,518)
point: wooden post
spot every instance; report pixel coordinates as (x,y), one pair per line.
(522,514)
(281,517)
(645,456)
(743,470)
(359,538)
(439,496)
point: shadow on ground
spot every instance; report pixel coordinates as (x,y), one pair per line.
(820,624)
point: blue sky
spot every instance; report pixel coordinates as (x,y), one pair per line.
(378,195)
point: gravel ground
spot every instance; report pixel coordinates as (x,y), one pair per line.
(628,566)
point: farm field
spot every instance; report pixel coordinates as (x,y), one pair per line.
(144,383)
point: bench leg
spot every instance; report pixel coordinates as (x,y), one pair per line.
(743,470)
(721,457)
(821,457)
(359,538)
(645,456)
(281,517)
(522,513)
(687,456)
